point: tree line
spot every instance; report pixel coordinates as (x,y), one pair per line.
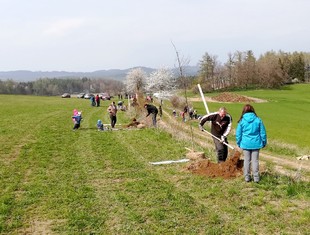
(241,71)
(58,86)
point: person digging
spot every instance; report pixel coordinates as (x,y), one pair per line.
(151,110)
(220,127)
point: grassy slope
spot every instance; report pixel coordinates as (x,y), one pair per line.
(84,182)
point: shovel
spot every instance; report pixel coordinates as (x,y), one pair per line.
(231,147)
(235,155)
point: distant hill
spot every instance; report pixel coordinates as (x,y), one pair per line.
(115,74)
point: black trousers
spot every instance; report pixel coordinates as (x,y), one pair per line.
(76,126)
(113,120)
(221,150)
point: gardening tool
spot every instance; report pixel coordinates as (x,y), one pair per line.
(235,154)
(231,147)
(170,161)
(203,99)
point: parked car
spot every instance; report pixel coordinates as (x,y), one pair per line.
(104,96)
(81,95)
(88,95)
(66,95)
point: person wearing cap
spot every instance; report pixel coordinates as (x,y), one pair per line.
(220,127)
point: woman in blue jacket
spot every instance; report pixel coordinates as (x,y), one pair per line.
(250,137)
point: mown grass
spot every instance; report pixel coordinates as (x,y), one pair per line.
(59,181)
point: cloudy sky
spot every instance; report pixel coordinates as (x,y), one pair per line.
(85,36)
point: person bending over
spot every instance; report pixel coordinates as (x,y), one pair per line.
(151,110)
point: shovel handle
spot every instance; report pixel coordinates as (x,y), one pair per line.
(219,139)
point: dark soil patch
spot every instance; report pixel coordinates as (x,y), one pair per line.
(232,97)
(231,168)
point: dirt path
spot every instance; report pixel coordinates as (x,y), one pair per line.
(290,167)
(227,97)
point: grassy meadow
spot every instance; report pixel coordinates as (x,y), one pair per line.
(58,181)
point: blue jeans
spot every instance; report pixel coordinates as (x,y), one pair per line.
(251,159)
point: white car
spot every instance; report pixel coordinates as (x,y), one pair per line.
(66,95)
(81,95)
(163,95)
(88,96)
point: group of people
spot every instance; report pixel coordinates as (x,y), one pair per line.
(250,133)
(192,113)
(95,100)
(77,118)
(112,111)
(151,110)
(250,137)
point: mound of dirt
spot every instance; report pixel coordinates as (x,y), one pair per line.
(133,123)
(231,168)
(232,97)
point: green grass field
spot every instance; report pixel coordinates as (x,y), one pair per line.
(57,181)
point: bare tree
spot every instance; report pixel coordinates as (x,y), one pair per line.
(230,71)
(211,73)
(269,70)
(182,62)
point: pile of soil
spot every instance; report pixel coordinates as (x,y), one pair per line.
(231,168)
(135,124)
(232,97)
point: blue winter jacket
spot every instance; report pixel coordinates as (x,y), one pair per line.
(251,132)
(77,118)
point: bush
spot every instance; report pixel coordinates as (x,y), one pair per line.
(178,102)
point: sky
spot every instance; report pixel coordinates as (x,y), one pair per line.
(86,36)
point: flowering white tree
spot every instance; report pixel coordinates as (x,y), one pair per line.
(136,80)
(161,81)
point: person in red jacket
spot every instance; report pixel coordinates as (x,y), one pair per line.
(97,99)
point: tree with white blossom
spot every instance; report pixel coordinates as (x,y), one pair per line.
(161,81)
(136,80)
